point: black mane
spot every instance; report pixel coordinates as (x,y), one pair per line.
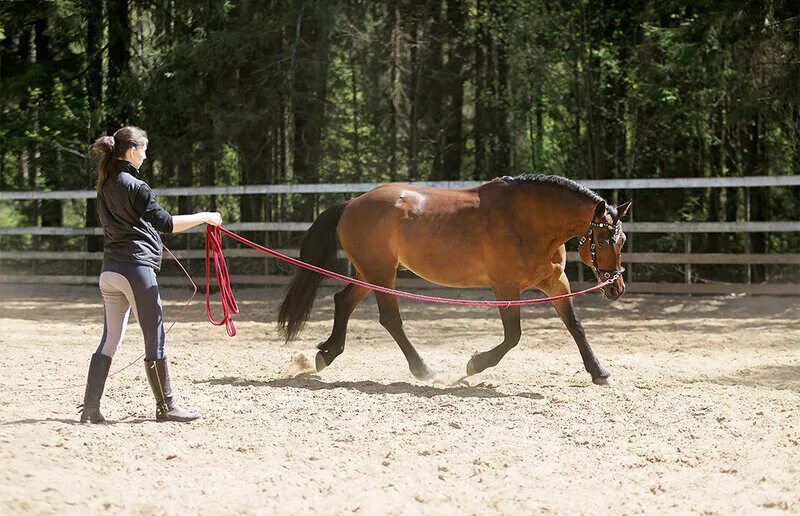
(563,182)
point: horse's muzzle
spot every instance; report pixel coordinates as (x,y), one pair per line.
(614,291)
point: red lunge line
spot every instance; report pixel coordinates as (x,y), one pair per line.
(214,249)
(229,306)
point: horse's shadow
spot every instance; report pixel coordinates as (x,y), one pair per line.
(312,383)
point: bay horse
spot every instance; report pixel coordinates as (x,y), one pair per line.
(507,234)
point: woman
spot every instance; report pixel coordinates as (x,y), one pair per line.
(132,220)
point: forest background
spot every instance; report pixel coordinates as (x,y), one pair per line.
(237,92)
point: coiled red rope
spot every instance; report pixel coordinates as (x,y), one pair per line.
(229,306)
(214,250)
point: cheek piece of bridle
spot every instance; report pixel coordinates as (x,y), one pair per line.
(602,274)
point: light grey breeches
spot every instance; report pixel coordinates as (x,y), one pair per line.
(127,286)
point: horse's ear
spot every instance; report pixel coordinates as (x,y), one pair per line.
(600,210)
(622,210)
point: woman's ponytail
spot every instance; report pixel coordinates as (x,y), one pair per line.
(103,148)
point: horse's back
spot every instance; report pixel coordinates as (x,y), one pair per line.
(431,198)
(438,233)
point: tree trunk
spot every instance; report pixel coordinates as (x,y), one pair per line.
(94,94)
(415,69)
(310,95)
(537,131)
(394,86)
(3,183)
(51,210)
(8,44)
(185,174)
(577,159)
(356,121)
(752,146)
(454,77)
(118,110)
(590,71)
(794,132)
(501,152)
(25,177)
(480,77)
(435,85)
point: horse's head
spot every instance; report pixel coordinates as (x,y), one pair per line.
(601,248)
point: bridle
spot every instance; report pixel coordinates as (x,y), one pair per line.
(608,275)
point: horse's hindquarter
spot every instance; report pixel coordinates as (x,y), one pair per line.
(439,234)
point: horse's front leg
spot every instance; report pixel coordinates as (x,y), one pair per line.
(511,333)
(566,310)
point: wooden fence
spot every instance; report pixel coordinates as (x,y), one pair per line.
(687,258)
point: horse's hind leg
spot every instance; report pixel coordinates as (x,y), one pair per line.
(390,319)
(511,334)
(345,301)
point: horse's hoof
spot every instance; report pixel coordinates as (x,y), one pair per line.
(601,381)
(320,362)
(424,373)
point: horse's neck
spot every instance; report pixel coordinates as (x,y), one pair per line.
(566,214)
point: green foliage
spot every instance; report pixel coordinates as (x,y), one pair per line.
(10,215)
(235,92)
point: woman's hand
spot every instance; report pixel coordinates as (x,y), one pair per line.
(214,218)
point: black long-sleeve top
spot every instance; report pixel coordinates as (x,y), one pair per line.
(131,218)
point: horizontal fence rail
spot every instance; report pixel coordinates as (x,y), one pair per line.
(598,184)
(639,287)
(628,227)
(679,258)
(687,258)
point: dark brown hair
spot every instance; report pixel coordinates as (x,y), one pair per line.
(109,149)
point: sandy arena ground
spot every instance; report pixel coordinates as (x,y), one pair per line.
(703,416)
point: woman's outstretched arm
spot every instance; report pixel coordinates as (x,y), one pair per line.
(184,222)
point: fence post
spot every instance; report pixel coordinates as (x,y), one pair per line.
(747,248)
(687,248)
(35,237)
(188,248)
(85,259)
(630,241)
(267,217)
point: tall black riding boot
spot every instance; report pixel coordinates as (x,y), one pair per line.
(95,383)
(167,408)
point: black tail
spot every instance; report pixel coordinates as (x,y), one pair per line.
(318,248)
